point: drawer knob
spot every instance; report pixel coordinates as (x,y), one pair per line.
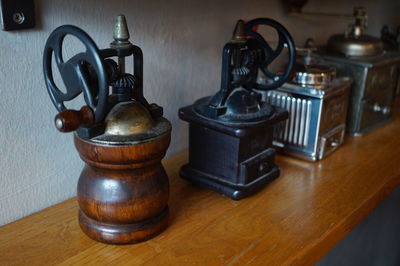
(263,168)
(333,142)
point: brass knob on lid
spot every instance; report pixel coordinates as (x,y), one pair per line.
(121,33)
(239,34)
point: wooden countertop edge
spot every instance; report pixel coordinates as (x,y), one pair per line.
(312,254)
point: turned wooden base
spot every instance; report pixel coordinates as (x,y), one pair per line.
(123,233)
(123,190)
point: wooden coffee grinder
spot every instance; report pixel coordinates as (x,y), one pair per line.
(230,133)
(123,189)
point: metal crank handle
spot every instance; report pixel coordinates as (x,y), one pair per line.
(71,120)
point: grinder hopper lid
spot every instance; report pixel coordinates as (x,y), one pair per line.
(363,45)
(353,42)
(314,75)
(131,123)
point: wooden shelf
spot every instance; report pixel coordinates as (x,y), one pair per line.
(294,220)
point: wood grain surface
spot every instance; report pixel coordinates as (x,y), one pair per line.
(293,221)
(123,190)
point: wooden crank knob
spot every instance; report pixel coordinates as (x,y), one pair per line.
(71,120)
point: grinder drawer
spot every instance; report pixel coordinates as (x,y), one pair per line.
(257,166)
(331,140)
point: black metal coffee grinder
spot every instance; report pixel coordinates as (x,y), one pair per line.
(230,133)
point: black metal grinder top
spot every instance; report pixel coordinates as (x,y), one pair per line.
(230,133)
(104,85)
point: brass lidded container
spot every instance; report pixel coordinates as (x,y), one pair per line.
(354,42)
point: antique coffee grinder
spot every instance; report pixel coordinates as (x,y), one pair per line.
(375,73)
(123,189)
(230,133)
(317,103)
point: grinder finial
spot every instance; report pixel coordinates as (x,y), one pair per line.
(121,33)
(239,34)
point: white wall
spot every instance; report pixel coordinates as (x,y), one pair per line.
(182,43)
